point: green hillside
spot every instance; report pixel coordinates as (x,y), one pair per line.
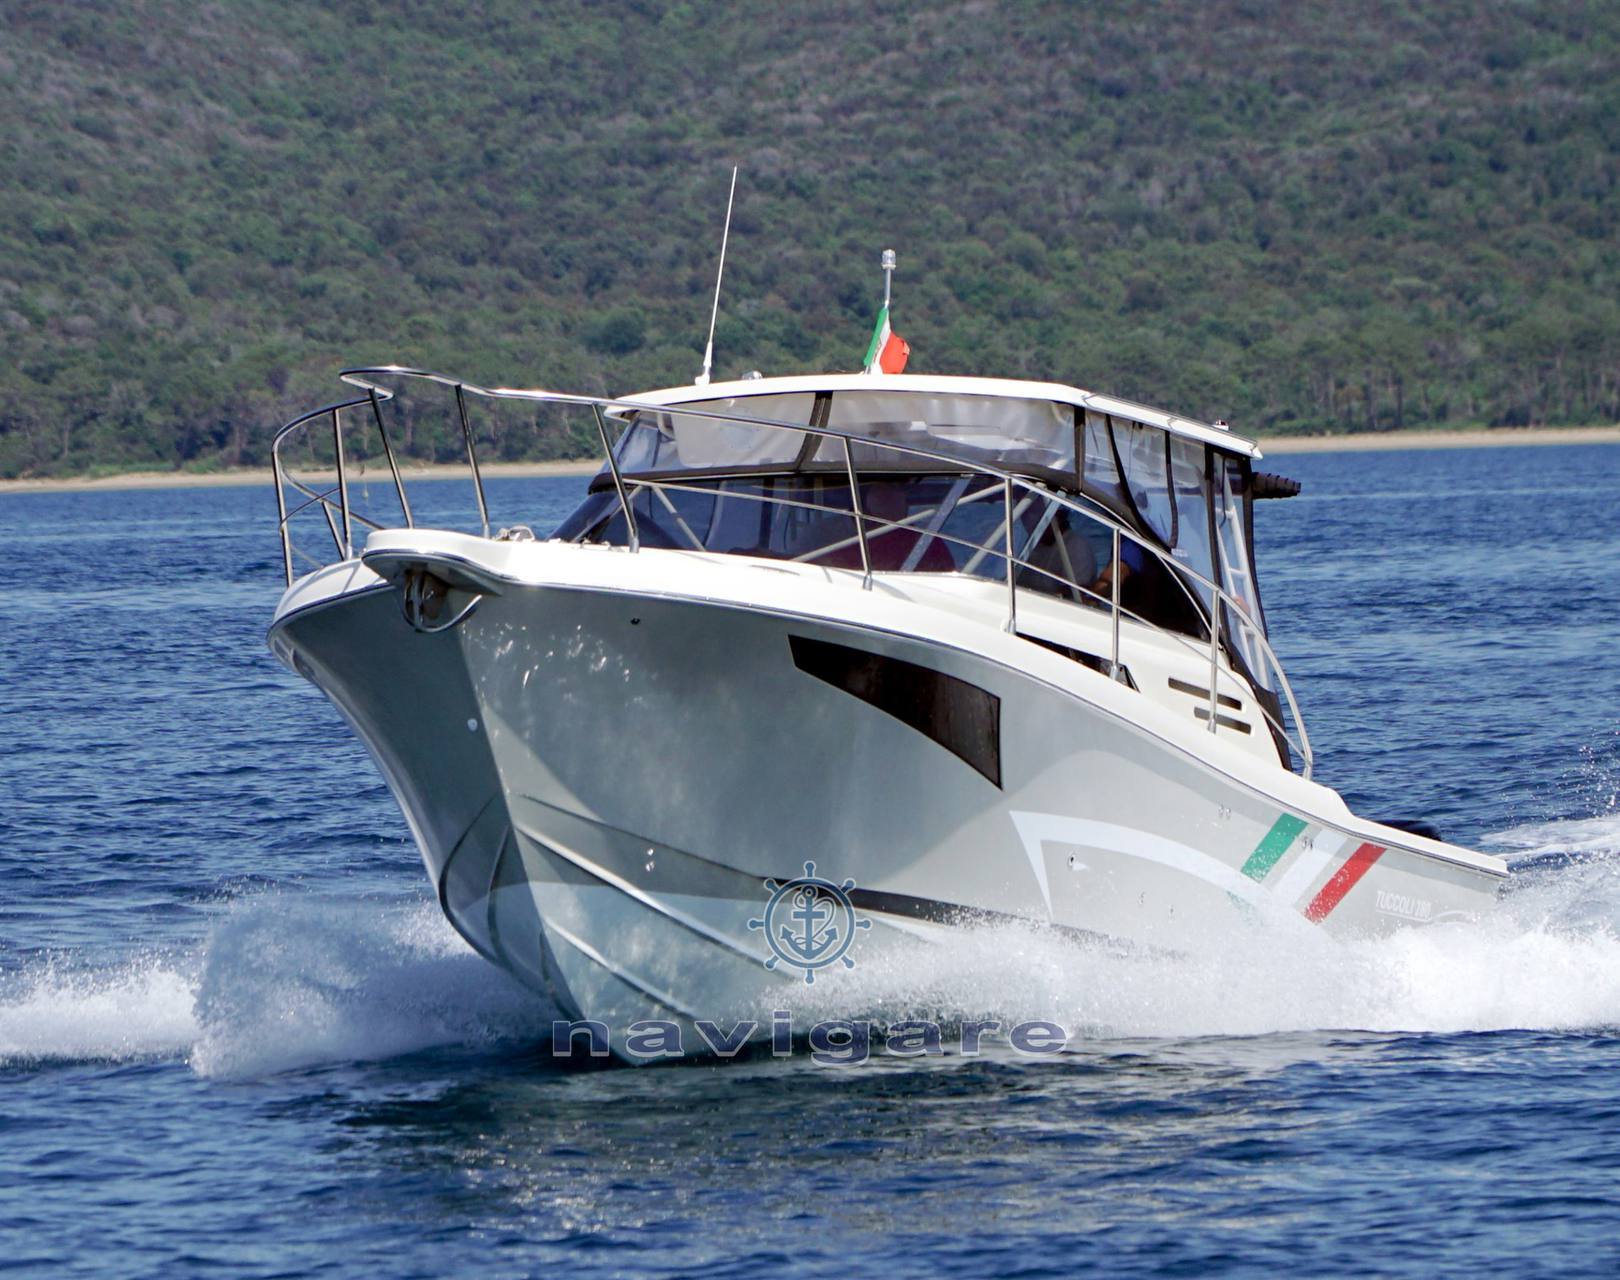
(1297,216)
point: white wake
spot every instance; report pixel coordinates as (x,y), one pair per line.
(283,982)
(286,981)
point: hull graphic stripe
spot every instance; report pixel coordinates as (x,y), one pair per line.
(1342,881)
(1272,846)
(1293,884)
(1109,838)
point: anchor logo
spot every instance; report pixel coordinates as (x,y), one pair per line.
(809,923)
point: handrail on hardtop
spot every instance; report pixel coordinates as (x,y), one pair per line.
(340,518)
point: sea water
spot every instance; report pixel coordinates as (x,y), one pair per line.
(236,1036)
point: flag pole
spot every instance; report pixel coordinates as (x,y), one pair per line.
(875,351)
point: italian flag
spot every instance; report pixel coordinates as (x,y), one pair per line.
(889,350)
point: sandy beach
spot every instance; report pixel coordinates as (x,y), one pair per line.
(1353,442)
(1469,438)
(249,476)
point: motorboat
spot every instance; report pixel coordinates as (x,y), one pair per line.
(825,665)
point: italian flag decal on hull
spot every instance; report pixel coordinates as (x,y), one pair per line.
(1311,862)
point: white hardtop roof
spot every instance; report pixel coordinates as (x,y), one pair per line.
(1012,388)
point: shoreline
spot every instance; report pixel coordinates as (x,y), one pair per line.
(250,477)
(1464,438)
(1350,442)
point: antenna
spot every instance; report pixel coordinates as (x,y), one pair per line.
(708,351)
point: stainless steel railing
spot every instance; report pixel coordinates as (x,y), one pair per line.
(327,493)
(339,518)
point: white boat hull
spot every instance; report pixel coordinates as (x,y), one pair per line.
(602,773)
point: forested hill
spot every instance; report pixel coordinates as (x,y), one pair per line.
(1298,215)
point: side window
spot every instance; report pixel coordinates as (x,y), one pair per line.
(1101,474)
(648,443)
(1244,624)
(1145,454)
(1192,513)
(1229,531)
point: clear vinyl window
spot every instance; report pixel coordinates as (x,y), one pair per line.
(669,440)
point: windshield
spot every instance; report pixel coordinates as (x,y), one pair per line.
(664,440)
(991,430)
(997,430)
(784,492)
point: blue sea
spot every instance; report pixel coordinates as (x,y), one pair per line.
(237,1039)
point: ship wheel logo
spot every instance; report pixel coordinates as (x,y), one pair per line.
(809,923)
